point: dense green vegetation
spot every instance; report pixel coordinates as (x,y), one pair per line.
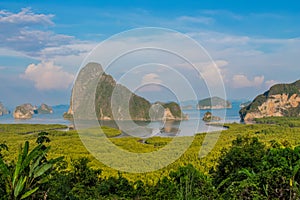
(208,117)
(257,161)
(173,107)
(138,106)
(288,89)
(280,121)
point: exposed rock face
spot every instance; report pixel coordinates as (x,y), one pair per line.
(280,100)
(44,109)
(123,100)
(208,117)
(3,110)
(213,103)
(24,111)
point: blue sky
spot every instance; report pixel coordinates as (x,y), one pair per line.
(42,43)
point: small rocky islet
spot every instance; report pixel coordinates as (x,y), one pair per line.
(27,110)
(209,117)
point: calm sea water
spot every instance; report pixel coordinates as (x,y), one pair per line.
(184,128)
(55,118)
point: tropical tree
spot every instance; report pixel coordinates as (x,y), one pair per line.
(24,178)
(245,154)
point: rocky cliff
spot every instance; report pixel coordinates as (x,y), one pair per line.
(24,111)
(208,117)
(27,110)
(3,110)
(169,111)
(213,103)
(44,109)
(123,100)
(280,100)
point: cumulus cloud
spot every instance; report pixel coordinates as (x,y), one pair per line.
(242,81)
(47,76)
(151,82)
(151,78)
(24,32)
(270,83)
(25,16)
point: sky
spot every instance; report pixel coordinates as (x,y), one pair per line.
(255,44)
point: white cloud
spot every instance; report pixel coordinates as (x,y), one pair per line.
(218,38)
(199,19)
(24,33)
(25,16)
(270,83)
(151,83)
(242,81)
(151,78)
(47,76)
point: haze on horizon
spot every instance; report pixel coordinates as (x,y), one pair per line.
(43,43)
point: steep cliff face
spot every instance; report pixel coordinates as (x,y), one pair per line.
(280,100)
(24,111)
(208,117)
(123,100)
(3,110)
(44,109)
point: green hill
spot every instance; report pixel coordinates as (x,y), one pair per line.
(213,103)
(279,100)
(107,87)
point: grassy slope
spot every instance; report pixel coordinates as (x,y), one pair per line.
(68,144)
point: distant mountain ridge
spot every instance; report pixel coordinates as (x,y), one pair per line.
(213,103)
(279,100)
(139,107)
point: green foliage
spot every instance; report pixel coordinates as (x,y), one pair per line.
(288,89)
(82,182)
(253,107)
(271,173)
(3,147)
(157,141)
(257,161)
(23,179)
(280,121)
(208,117)
(111,132)
(174,108)
(245,153)
(191,184)
(42,138)
(138,106)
